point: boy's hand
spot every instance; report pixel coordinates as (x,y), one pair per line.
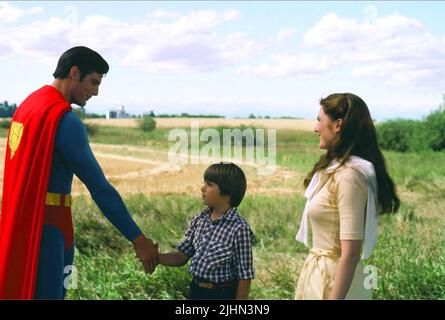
(147,252)
(243,289)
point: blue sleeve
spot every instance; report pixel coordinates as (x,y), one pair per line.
(73,146)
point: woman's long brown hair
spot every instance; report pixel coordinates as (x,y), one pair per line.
(357,137)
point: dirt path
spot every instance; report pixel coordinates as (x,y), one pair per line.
(133,169)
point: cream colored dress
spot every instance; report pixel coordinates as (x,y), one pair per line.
(336,212)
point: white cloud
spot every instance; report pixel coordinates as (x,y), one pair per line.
(201,21)
(9,13)
(403,74)
(231,15)
(200,52)
(35,10)
(394,48)
(188,43)
(4,50)
(39,39)
(160,14)
(285,34)
(410,105)
(332,31)
(304,65)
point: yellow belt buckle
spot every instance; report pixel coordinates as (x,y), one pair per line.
(53,199)
(68,200)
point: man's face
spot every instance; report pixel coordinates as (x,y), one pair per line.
(85,89)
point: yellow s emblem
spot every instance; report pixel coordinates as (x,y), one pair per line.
(15,136)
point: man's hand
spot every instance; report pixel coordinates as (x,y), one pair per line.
(147,252)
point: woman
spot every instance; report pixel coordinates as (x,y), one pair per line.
(346,191)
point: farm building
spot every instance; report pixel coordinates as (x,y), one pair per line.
(117,113)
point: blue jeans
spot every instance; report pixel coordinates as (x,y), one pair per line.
(198,293)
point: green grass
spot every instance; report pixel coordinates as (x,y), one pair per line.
(414,171)
(157,138)
(107,267)
(409,256)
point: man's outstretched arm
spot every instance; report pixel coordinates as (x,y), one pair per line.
(72,143)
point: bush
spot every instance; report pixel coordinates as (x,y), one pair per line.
(411,135)
(5,124)
(92,129)
(80,112)
(147,123)
(435,127)
(400,135)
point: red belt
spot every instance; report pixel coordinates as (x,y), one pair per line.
(58,214)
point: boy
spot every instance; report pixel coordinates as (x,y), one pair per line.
(218,240)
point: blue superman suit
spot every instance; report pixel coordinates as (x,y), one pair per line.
(73,155)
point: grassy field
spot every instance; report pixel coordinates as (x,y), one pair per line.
(410,253)
(163,123)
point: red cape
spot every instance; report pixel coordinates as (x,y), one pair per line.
(27,167)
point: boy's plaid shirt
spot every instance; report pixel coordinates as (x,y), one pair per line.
(221,250)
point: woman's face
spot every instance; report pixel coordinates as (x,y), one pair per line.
(327,129)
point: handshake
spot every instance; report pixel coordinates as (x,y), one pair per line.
(147,252)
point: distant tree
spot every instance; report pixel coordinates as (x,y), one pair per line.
(252,116)
(80,112)
(435,126)
(92,129)
(147,123)
(7,110)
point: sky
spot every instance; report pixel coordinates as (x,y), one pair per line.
(234,58)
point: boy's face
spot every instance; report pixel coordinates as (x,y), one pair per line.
(211,195)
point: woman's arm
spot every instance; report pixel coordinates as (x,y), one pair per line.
(173,259)
(352,196)
(347,263)
(242,292)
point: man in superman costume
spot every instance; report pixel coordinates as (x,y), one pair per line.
(47,144)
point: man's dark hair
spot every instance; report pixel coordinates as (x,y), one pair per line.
(230,180)
(87,60)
